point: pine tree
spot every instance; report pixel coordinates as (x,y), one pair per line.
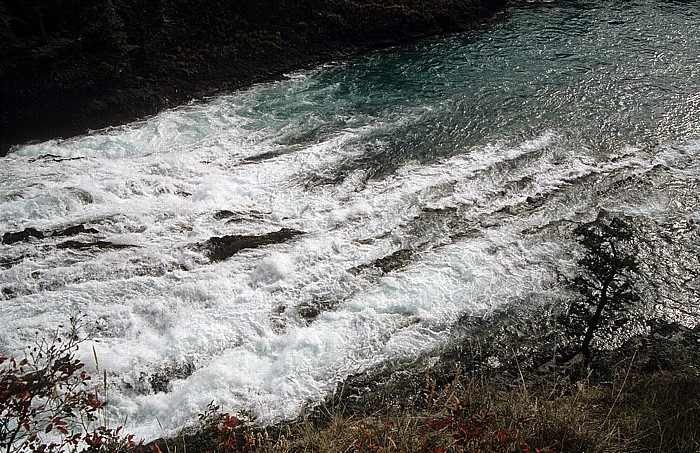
(605,281)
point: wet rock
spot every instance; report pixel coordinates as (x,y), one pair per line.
(54,158)
(238,217)
(79,245)
(224,214)
(160,380)
(442,211)
(224,247)
(7,263)
(82,195)
(397,260)
(74,231)
(24,235)
(309,311)
(262,157)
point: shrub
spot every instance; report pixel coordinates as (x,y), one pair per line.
(48,405)
(224,430)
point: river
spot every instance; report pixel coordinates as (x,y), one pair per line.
(431,181)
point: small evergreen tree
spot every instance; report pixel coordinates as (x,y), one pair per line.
(605,281)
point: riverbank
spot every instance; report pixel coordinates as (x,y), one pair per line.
(124,60)
(481,397)
(476,396)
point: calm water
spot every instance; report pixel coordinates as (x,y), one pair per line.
(432,181)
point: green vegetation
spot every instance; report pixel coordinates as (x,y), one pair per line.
(605,281)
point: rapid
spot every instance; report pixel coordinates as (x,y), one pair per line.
(428,182)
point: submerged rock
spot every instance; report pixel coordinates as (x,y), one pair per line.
(397,260)
(7,263)
(224,214)
(310,310)
(75,230)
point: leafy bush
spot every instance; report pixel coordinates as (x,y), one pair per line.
(48,405)
(225,431)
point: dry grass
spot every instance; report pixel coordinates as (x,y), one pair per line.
(629,412)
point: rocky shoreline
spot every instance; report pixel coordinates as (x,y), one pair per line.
(485,352)
(557,406)
(129,60)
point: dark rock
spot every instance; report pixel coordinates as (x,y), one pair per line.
(53,158)
(75,230)
(440,211)
(7,263)
(397,260)
(224,214)
(24,235)
(309,311)
(78,245)
(237,217)
(262,157)
(221,248)
(160,380)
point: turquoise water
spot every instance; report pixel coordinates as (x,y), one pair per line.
(603,74)
(433,181)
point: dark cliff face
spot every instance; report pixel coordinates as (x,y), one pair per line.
(67,66)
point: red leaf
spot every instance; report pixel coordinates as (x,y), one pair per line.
(49,428)
(93,401)
(63,430)
(440,423)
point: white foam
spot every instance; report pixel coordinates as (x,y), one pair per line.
(272,269)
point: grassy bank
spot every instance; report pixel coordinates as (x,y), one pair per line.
(71,65)
(616,407)
(480,395)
